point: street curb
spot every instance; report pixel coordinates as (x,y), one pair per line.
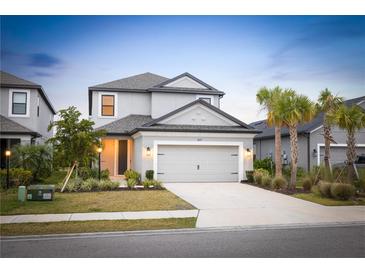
(177,231)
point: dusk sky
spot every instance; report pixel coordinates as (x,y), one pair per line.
(235,54)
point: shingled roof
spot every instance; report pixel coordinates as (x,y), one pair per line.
(8,126)
(140,82)
(269,132)
(8,80)
(125,125)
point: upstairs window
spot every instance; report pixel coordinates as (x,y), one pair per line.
(19,103)
(107,105)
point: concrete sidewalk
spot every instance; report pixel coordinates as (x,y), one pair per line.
(132,215)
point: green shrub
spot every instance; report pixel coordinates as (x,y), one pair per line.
(74,184)
(287,172)
(258,174)
(342,191)
(325,188)
(360,184)
(307,183)
(17,177)
(131,183)
(108,185)
(132,174)
(249,176)
(266,181)
(266,164)
(36,158)
(147,184)
(87,172)
(279,182)
(89,184)
(149,174)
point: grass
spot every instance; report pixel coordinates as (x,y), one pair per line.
(318,199)
(95,226)
(107,201)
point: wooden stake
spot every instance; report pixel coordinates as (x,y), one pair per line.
(68,177)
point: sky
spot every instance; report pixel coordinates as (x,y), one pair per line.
(235,54)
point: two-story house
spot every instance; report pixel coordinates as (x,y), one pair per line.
(172,126)
(25,112)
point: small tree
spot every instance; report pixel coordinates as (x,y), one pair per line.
(350,119)
(328,104)
(75,140)
(294,109)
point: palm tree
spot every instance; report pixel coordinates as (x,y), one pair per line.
(267,98)
(350,119)
(294,109)
(328,103)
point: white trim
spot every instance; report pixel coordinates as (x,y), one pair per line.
(199,143)
(315,129)
(10,106)
(177,82)
(332,145)
(240,135)
(101,93)
(359,103)
(211,97)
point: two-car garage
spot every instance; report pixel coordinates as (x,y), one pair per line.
(198,163)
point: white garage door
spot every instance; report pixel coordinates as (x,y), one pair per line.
(197,163)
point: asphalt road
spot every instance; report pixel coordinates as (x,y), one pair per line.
(335,241)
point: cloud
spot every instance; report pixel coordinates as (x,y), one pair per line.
(43,60)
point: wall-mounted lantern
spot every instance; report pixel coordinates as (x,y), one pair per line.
(314,153)
(148,151)
(248,152)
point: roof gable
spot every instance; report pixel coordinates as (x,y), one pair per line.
(187,81)
(177,114)
(198,115)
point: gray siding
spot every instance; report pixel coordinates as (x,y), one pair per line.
(128,103)
(266,148)
(33,122)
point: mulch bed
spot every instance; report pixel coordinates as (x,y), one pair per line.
(282,191)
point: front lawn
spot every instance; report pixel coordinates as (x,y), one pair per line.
(94,226)
(317,198)
(94,202)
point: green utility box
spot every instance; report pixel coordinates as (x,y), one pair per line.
(21,193)
(40,192)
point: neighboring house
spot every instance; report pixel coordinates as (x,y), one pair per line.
(310,141)
(25,112)
(172,126)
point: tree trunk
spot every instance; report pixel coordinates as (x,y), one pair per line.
(294,155)
(327,145)
(278,165)
(351,155)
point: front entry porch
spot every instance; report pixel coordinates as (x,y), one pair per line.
(117,155)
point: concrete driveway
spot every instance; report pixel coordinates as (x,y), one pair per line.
(235,204)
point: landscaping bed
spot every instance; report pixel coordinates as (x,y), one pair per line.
(103,201)
(95,226)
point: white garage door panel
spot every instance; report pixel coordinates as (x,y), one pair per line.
(197,163)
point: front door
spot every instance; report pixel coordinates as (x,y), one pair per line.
(123,156)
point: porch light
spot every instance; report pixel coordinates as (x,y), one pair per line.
(7,153)
(248,152)
(148,151)
(99,149)
(314,153)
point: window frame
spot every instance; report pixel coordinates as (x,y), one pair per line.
(105,105)
(11,104)
(100,103)
(204,97)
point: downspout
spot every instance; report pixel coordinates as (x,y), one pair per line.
(308,150)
